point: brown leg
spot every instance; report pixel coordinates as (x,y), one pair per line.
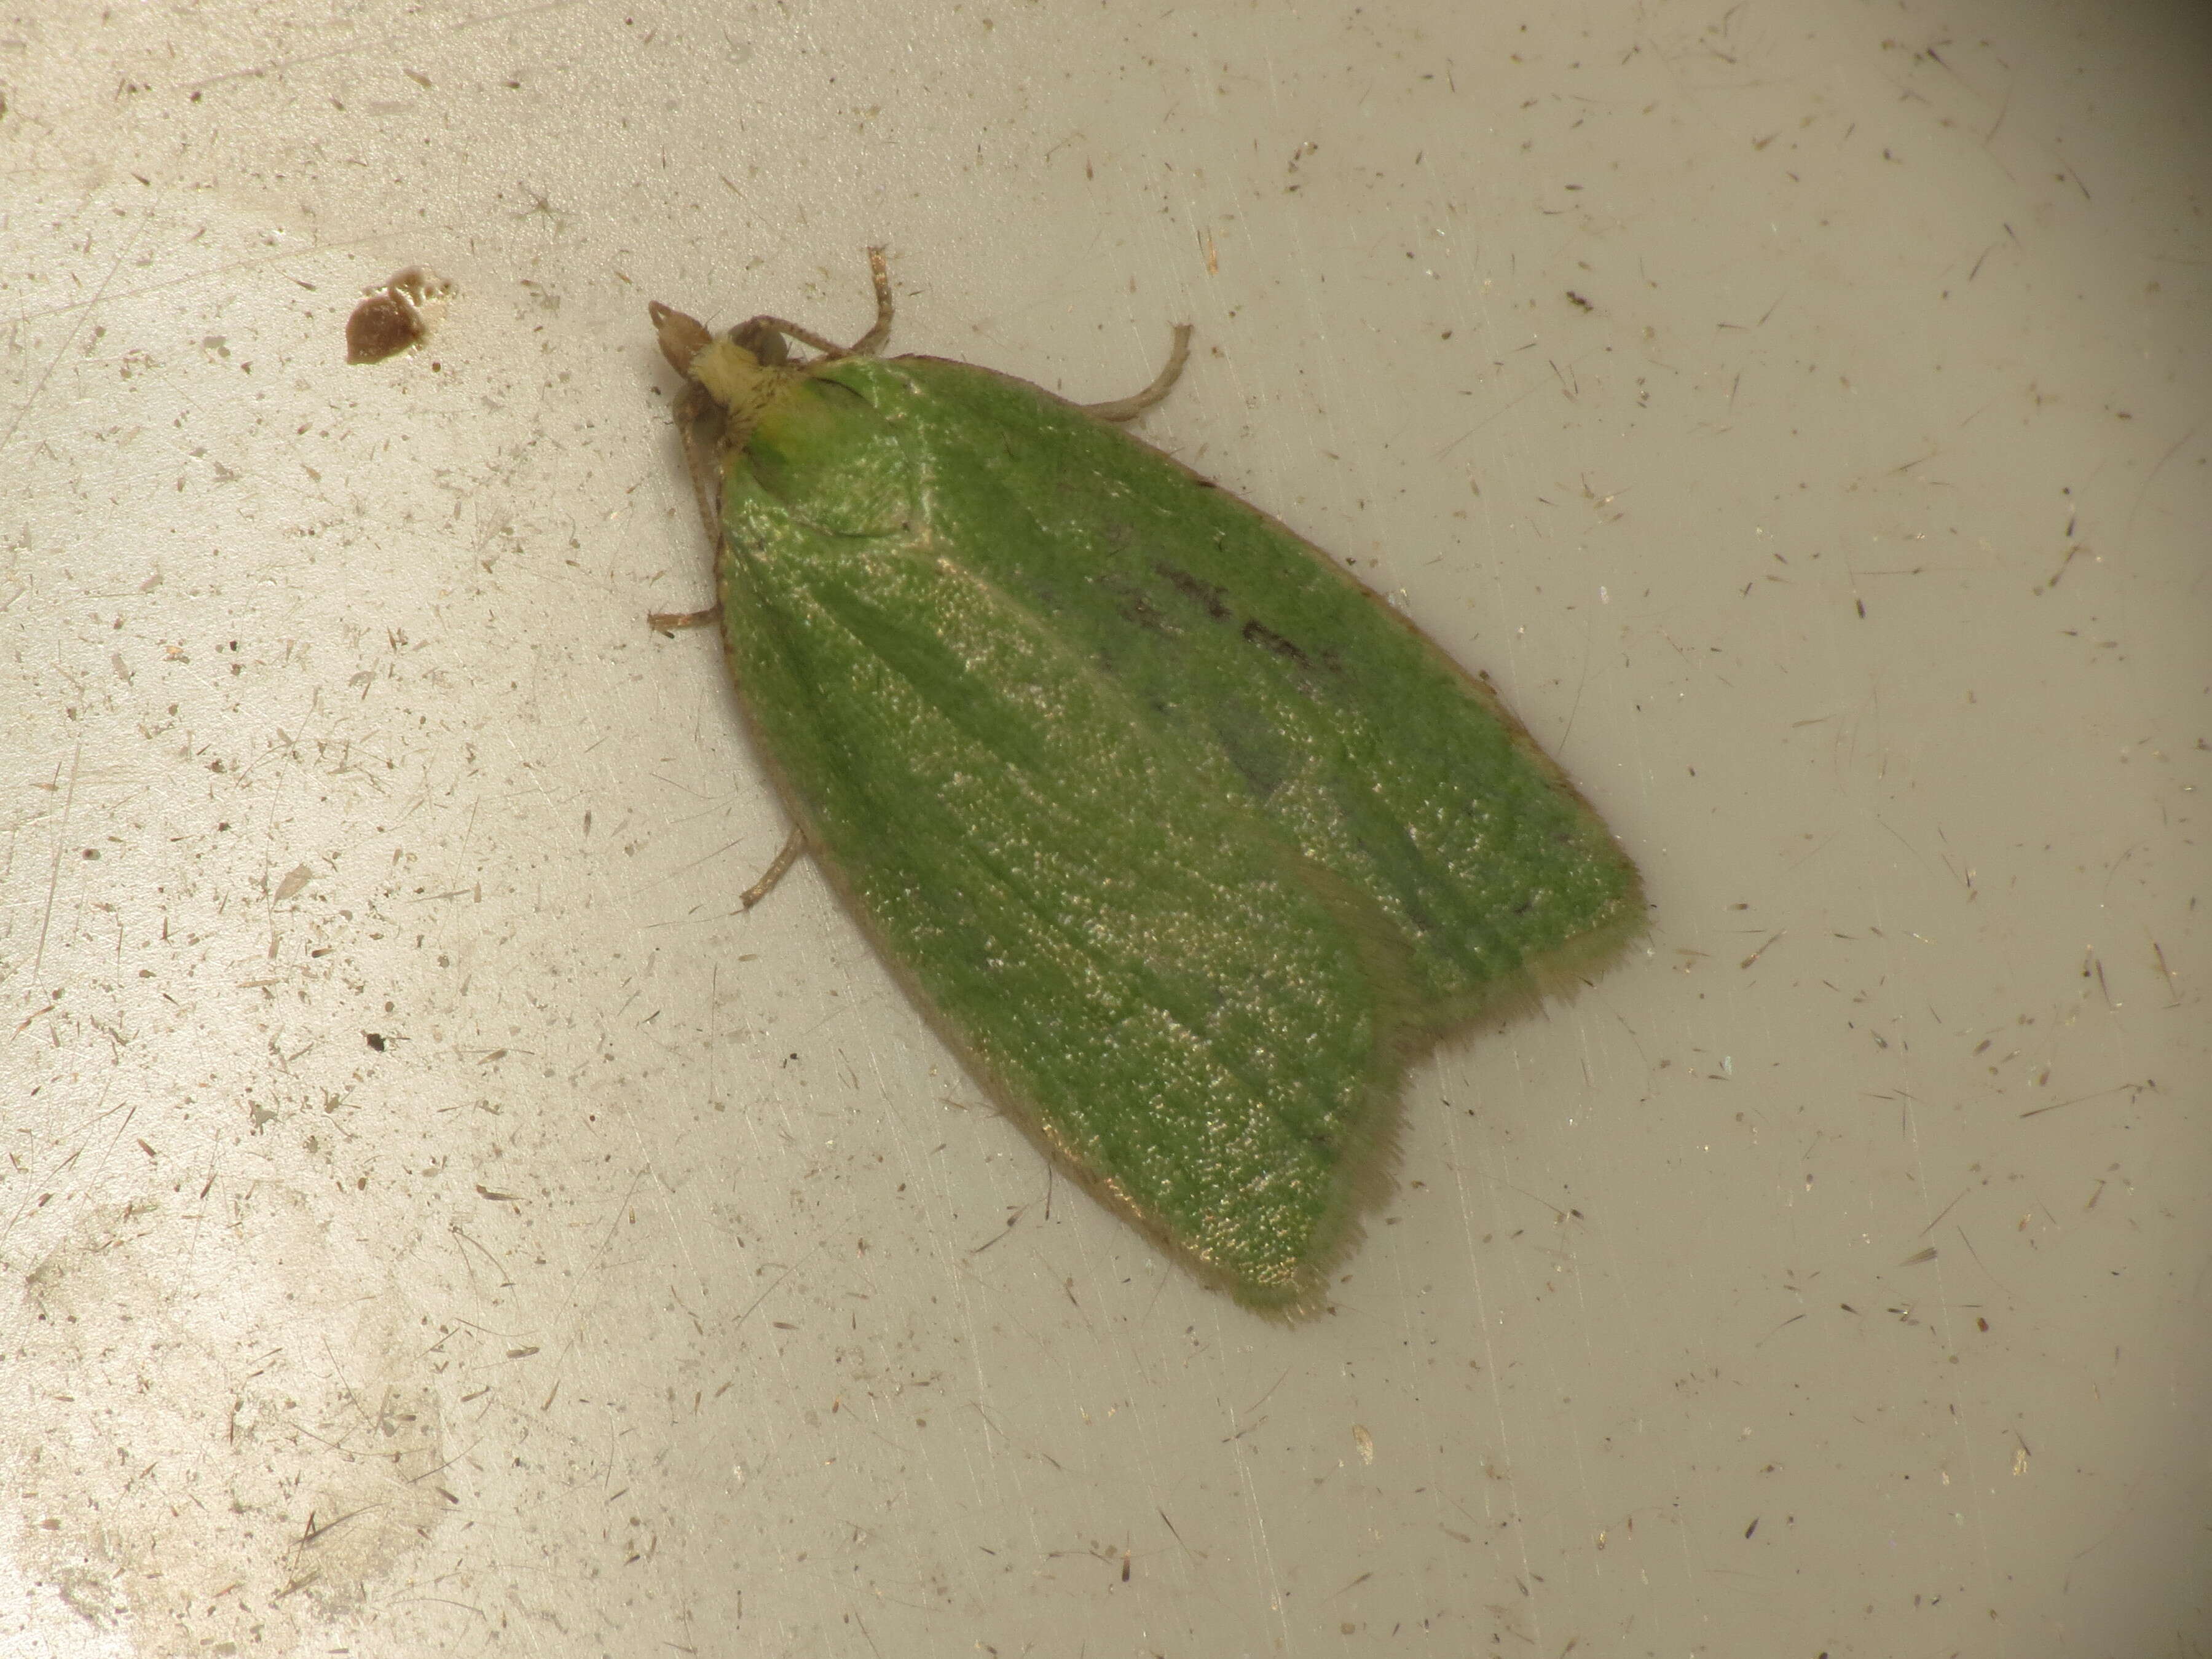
(748,333)
(872,341)
(1127,408)
(670,622)
(793,845)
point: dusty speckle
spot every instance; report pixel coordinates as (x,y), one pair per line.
(289,1457)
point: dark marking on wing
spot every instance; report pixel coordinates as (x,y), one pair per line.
(1190,587)
(1132,602)
(1260,633)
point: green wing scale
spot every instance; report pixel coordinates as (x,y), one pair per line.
(1184,842)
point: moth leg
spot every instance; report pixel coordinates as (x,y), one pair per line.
(763,336)
(759,335)
(793,845)
(872,341)
(1127,408)
(669,621)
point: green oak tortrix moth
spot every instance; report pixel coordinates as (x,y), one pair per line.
(1184,841)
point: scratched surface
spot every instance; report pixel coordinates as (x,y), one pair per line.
(434,1220)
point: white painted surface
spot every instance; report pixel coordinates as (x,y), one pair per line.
(1832,1278)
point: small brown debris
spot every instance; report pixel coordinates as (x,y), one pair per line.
(398,313)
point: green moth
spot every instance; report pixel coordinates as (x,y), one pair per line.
(1182,839)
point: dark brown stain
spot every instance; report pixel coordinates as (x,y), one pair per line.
(1191,588)
(1259,634)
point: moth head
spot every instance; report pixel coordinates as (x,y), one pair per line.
(682,337)
(740,378)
